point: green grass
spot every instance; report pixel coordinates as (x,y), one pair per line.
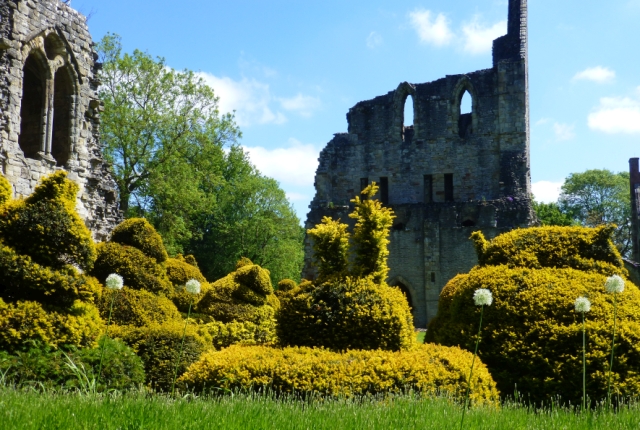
(33,410)
(420,336)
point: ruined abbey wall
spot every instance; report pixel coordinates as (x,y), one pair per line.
(49,108)
(447,175)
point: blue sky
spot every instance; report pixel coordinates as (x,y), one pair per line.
(292,69)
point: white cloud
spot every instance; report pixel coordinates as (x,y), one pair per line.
(303,105)
(616,115)
(431,29)
(599,74)
(250,99)
(543,121)
(373,40)
(294,165)
(564,131)
(546,191)
(478,38)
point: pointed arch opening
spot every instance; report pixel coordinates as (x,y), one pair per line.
(32,107)
(408,119)
(406,292)
(62,111)
(465,118)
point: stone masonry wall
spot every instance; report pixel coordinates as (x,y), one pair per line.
(49,109)
(448,174)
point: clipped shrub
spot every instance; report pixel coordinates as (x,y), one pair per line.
(6,190)
(429,369)
(47,227)
(179,272)
(139,271)
(22,279)
(221,335)
(159,345)
(40,363)
(580,248)
(286,285)
(24,321)
(352,313)
(137,232)
(245,295)
(531,336)
(137,307)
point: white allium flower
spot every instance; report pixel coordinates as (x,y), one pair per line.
(582,305)
(114,282)
(482,297)
(193,286)
(614,284)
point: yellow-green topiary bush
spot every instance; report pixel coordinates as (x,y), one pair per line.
(221,335)
(159,347)
(47,227)
(352,313)
(78,325)
(137,307)
(580,248)
(6,190)
(429,369)
(139,271)
(531,335)
(22,279)
(179,272)
(137,232)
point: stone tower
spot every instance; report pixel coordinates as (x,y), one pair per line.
(49,108)
(446,176)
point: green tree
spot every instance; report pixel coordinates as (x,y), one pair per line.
(551,214)
(597,197)
(177,163)
(153,117)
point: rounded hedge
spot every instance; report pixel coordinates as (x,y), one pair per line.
(351,313)
(24,321)
(137,232)
(159,346)
(179,271)
(137,307)
(139,271)
(532,336)
(428,369)
(47,227)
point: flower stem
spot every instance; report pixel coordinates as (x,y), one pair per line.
(613,344)
(466,397)
(106,336)
(175,373)
(584,368)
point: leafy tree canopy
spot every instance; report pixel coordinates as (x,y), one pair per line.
(177,162)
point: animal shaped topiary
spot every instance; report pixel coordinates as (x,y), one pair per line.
(532,337)
(245,295)
(349,306)
(43,295)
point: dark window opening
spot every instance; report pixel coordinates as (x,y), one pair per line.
(62,106)
(465,118)
(384,190)
(433,276)
(448,187)
(32,108)
(428,188)
(398,227)
(468,223)
(408,120)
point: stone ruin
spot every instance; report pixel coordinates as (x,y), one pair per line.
(447,175)
(49,107)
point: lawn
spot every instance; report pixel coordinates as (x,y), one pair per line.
(35,410)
